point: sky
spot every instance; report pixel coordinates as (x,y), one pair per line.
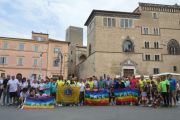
(18,18)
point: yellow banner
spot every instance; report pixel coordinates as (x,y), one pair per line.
(67,94)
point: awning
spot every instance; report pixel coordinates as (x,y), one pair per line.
(166,73)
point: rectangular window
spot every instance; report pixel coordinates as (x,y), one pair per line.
(21,46)
(56,50)
(156,70)
(156,31)
(175,68)
(126,23)
(35,62)
(155,15)
(145,30)
(56,62)
(157,58)
(105,21)
(36,47)
(147,57)
(156,45)
(5,45)
(109,22)
(146,44)
(3,60)
(20,61)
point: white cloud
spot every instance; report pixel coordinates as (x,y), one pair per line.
(20,17)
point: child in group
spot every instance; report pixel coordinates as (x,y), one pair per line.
(144,94)
(23,95)
(32,93)
(157,100)
(41,94)
(88,87)
(111,96)
(41,85)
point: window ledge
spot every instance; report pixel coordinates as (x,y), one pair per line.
(20,65)
(151,48)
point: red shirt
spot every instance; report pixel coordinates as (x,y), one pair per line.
(133,83)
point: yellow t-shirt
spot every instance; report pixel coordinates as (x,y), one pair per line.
(140,83)
(91,84)
(59,83)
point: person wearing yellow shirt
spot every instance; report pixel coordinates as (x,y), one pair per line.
(151,79)
(59,83)
(141,83)
(91,83)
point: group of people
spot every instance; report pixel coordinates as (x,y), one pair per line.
(161,91)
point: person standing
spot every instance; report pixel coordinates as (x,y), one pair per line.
(59,84)
(13,89)
(164,90)
(6,91)
(1,86)
(172,90)
(133,82)
(177,92)
(101,83)
(47,87)
(82,90)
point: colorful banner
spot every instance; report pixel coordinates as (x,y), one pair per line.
(126,96)
(67,94)
(98,98)
(39,103)
(122,96)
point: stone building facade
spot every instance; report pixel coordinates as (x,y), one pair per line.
(77,52)
(145,41)
(33,58)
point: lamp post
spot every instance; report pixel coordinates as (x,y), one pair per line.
(40,76)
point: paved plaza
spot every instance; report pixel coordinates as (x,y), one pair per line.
(92,113)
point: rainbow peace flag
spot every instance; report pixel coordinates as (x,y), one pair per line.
(98,98)
(122,96)
(126,96)
(39,103)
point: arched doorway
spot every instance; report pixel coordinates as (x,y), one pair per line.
(128,68)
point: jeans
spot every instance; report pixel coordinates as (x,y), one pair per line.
(81,98)
(5,97)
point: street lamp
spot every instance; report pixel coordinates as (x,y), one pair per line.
(40,75)
(58,60)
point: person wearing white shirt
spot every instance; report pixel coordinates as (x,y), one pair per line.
(13,88)
(41,85)
(35,85)
(23,84)
(82,89)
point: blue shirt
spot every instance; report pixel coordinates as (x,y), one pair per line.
(53,88)
(172,84)
(127,83)
(47,86)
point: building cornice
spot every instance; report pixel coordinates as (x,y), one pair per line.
(31,40)
(159,7)
(111,14)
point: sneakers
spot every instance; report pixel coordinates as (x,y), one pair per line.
(59,105)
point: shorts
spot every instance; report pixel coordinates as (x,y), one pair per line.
(13,94)
(173,93)
(144,98)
